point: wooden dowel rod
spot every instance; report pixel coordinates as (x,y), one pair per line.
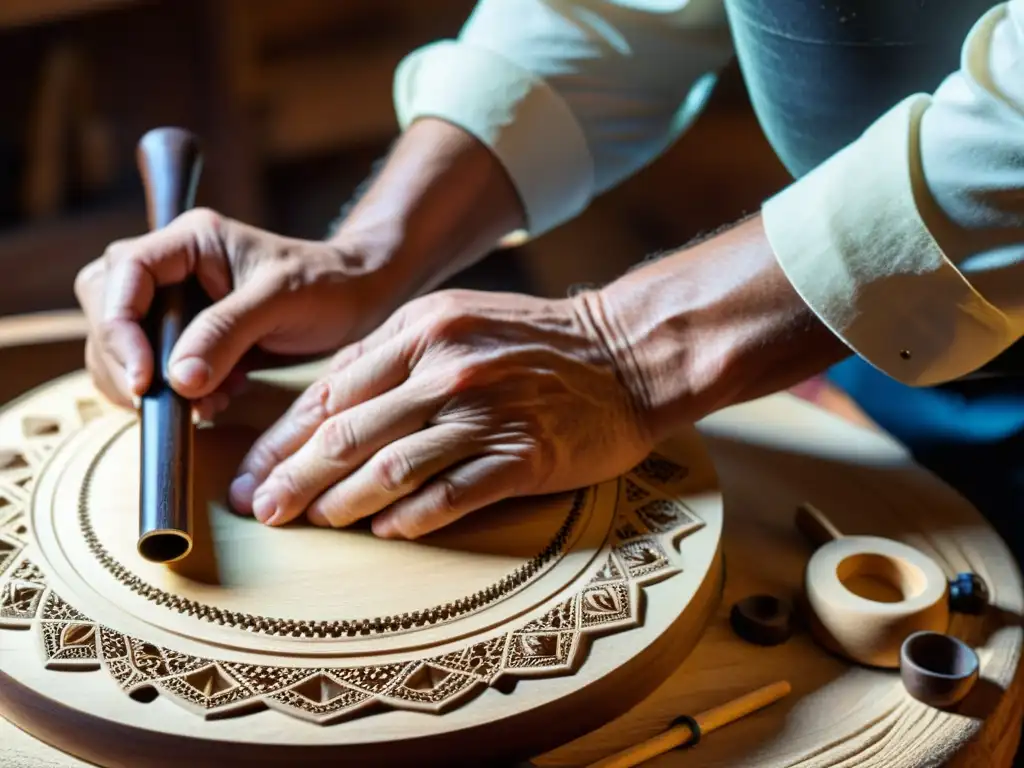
(708,721)
(813,523)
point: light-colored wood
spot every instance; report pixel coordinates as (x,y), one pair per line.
(771,455)
(707,722)
(312,645)
(867,594)
(813,524)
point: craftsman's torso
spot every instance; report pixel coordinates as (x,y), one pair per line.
(819,74)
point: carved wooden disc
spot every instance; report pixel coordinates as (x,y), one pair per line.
(508,633)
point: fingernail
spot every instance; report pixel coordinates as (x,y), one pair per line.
(136,402)
(264,507)
(383,527)
(135,383)
(241,491)
(191,372)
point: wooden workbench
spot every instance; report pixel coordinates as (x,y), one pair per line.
(771,455)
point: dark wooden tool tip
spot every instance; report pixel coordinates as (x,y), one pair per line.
(169,162)
(762,619)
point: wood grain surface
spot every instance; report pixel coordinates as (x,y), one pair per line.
(771,455)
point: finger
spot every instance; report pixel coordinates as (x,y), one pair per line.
(380,370)
(191,244)
(207,408)
(394,472)
(118,385)
(99,370)
(215,342)
(467,488)
(337,448)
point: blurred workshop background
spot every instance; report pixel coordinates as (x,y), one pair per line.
(293,101)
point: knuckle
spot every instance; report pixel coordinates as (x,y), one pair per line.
(87,278)
(263,458)
(106,334)
(286,484)
(471,375)
(446,497)
(201,219)
(336,439)
(317,401)
(394,472)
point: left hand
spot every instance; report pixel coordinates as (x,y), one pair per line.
(461,399)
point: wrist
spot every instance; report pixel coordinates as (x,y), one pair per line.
(707,327)
(440,202)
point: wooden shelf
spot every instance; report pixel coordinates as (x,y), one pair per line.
(39,262)
(23,13)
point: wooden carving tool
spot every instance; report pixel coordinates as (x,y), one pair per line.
(691,729)
(169,161)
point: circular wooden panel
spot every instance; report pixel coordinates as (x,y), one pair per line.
(544,617)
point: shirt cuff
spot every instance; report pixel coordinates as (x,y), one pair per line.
(851,240)
(527,125)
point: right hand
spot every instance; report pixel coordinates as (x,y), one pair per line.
(268,292)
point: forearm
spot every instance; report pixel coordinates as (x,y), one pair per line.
(709,326)
(440,202)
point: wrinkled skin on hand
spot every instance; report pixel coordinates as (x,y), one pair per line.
(270,293)
(459,400)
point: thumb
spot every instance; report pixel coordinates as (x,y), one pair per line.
(214,343)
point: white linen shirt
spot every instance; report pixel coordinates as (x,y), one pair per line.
(908,243)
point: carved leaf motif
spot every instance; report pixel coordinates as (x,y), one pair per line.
(602,600)
(539,645)
(641,556)
(634,492)
(658,470)
(148,659)
(77,635)
(25,597)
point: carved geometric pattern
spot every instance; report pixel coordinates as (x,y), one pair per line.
(604,604)
(664,515)
(283,627)
(644,558)
(656,470)
(548,644)
(71,645)
(19,600)
(9,551)
(634,492)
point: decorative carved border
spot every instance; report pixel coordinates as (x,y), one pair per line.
(646,520)
(264,625)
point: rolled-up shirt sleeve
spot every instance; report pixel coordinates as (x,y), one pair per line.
(571,96)
(909,243)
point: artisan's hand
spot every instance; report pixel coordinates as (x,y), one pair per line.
(462,399)
(269,292)
(441,201)
(459,400)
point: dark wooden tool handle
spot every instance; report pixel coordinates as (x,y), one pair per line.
(170,162)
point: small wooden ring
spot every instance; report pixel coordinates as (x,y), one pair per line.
(937,669)
(762,619)
(865,630)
